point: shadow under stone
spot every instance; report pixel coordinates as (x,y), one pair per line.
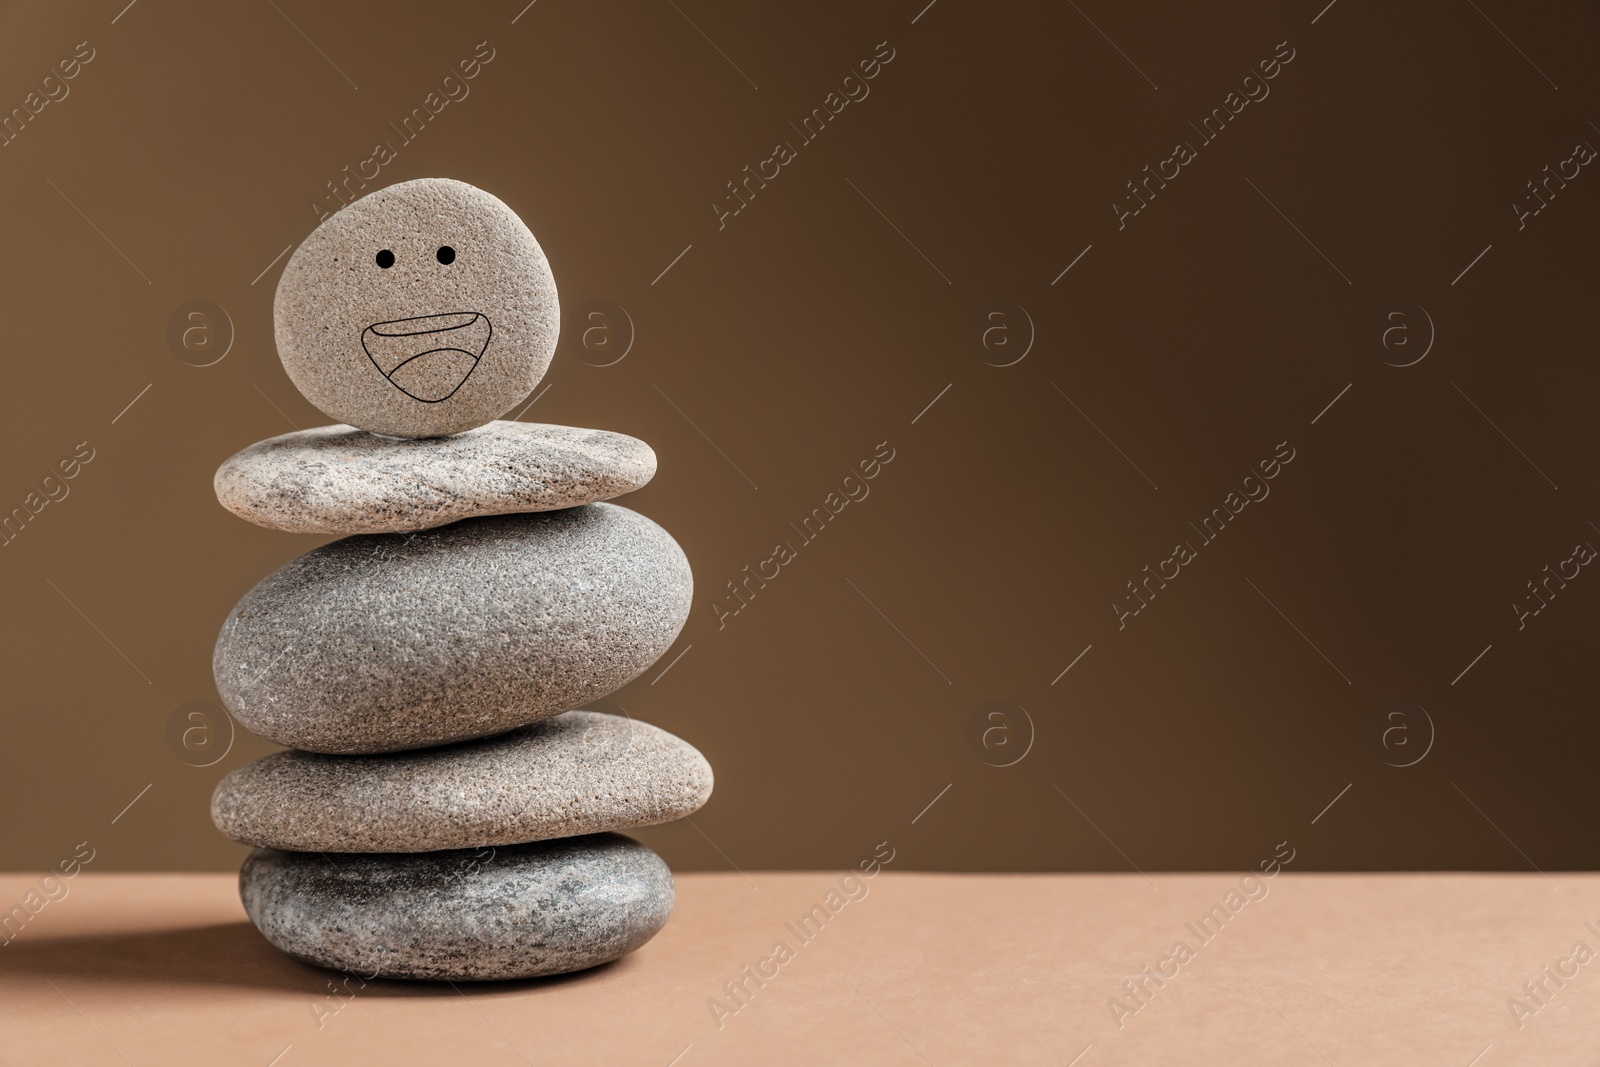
(227,954)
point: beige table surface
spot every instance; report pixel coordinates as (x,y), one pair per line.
(151,969)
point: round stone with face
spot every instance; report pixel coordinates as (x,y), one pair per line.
(420,310)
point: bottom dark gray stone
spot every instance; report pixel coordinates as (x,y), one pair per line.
(512,911)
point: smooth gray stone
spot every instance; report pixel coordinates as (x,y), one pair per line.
(377,330)
(578,773)
(385,642)
(516,911)
(340,480)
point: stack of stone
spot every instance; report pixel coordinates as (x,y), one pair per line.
(442,813)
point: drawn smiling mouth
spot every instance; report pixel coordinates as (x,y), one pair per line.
(428,357)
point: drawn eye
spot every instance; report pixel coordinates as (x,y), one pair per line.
(386,259)
(446,254)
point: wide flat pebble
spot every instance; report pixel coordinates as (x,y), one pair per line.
(422,309)
(383,642)
(579,773)
(340,480)
(515,911)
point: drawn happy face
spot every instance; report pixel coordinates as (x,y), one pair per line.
(421,310)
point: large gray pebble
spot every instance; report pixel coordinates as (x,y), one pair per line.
(393,641)
(578,773)
(340,480)
(379,330)
(509,912)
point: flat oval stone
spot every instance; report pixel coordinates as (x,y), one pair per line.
(340,480)
(508,912)
(422,309)
(579,773)
(382,642)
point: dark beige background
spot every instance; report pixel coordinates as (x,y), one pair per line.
(838,704)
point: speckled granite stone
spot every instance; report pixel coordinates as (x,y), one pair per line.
(340,480)
(515,911)
(422,309)
(384,642)
(578,773)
